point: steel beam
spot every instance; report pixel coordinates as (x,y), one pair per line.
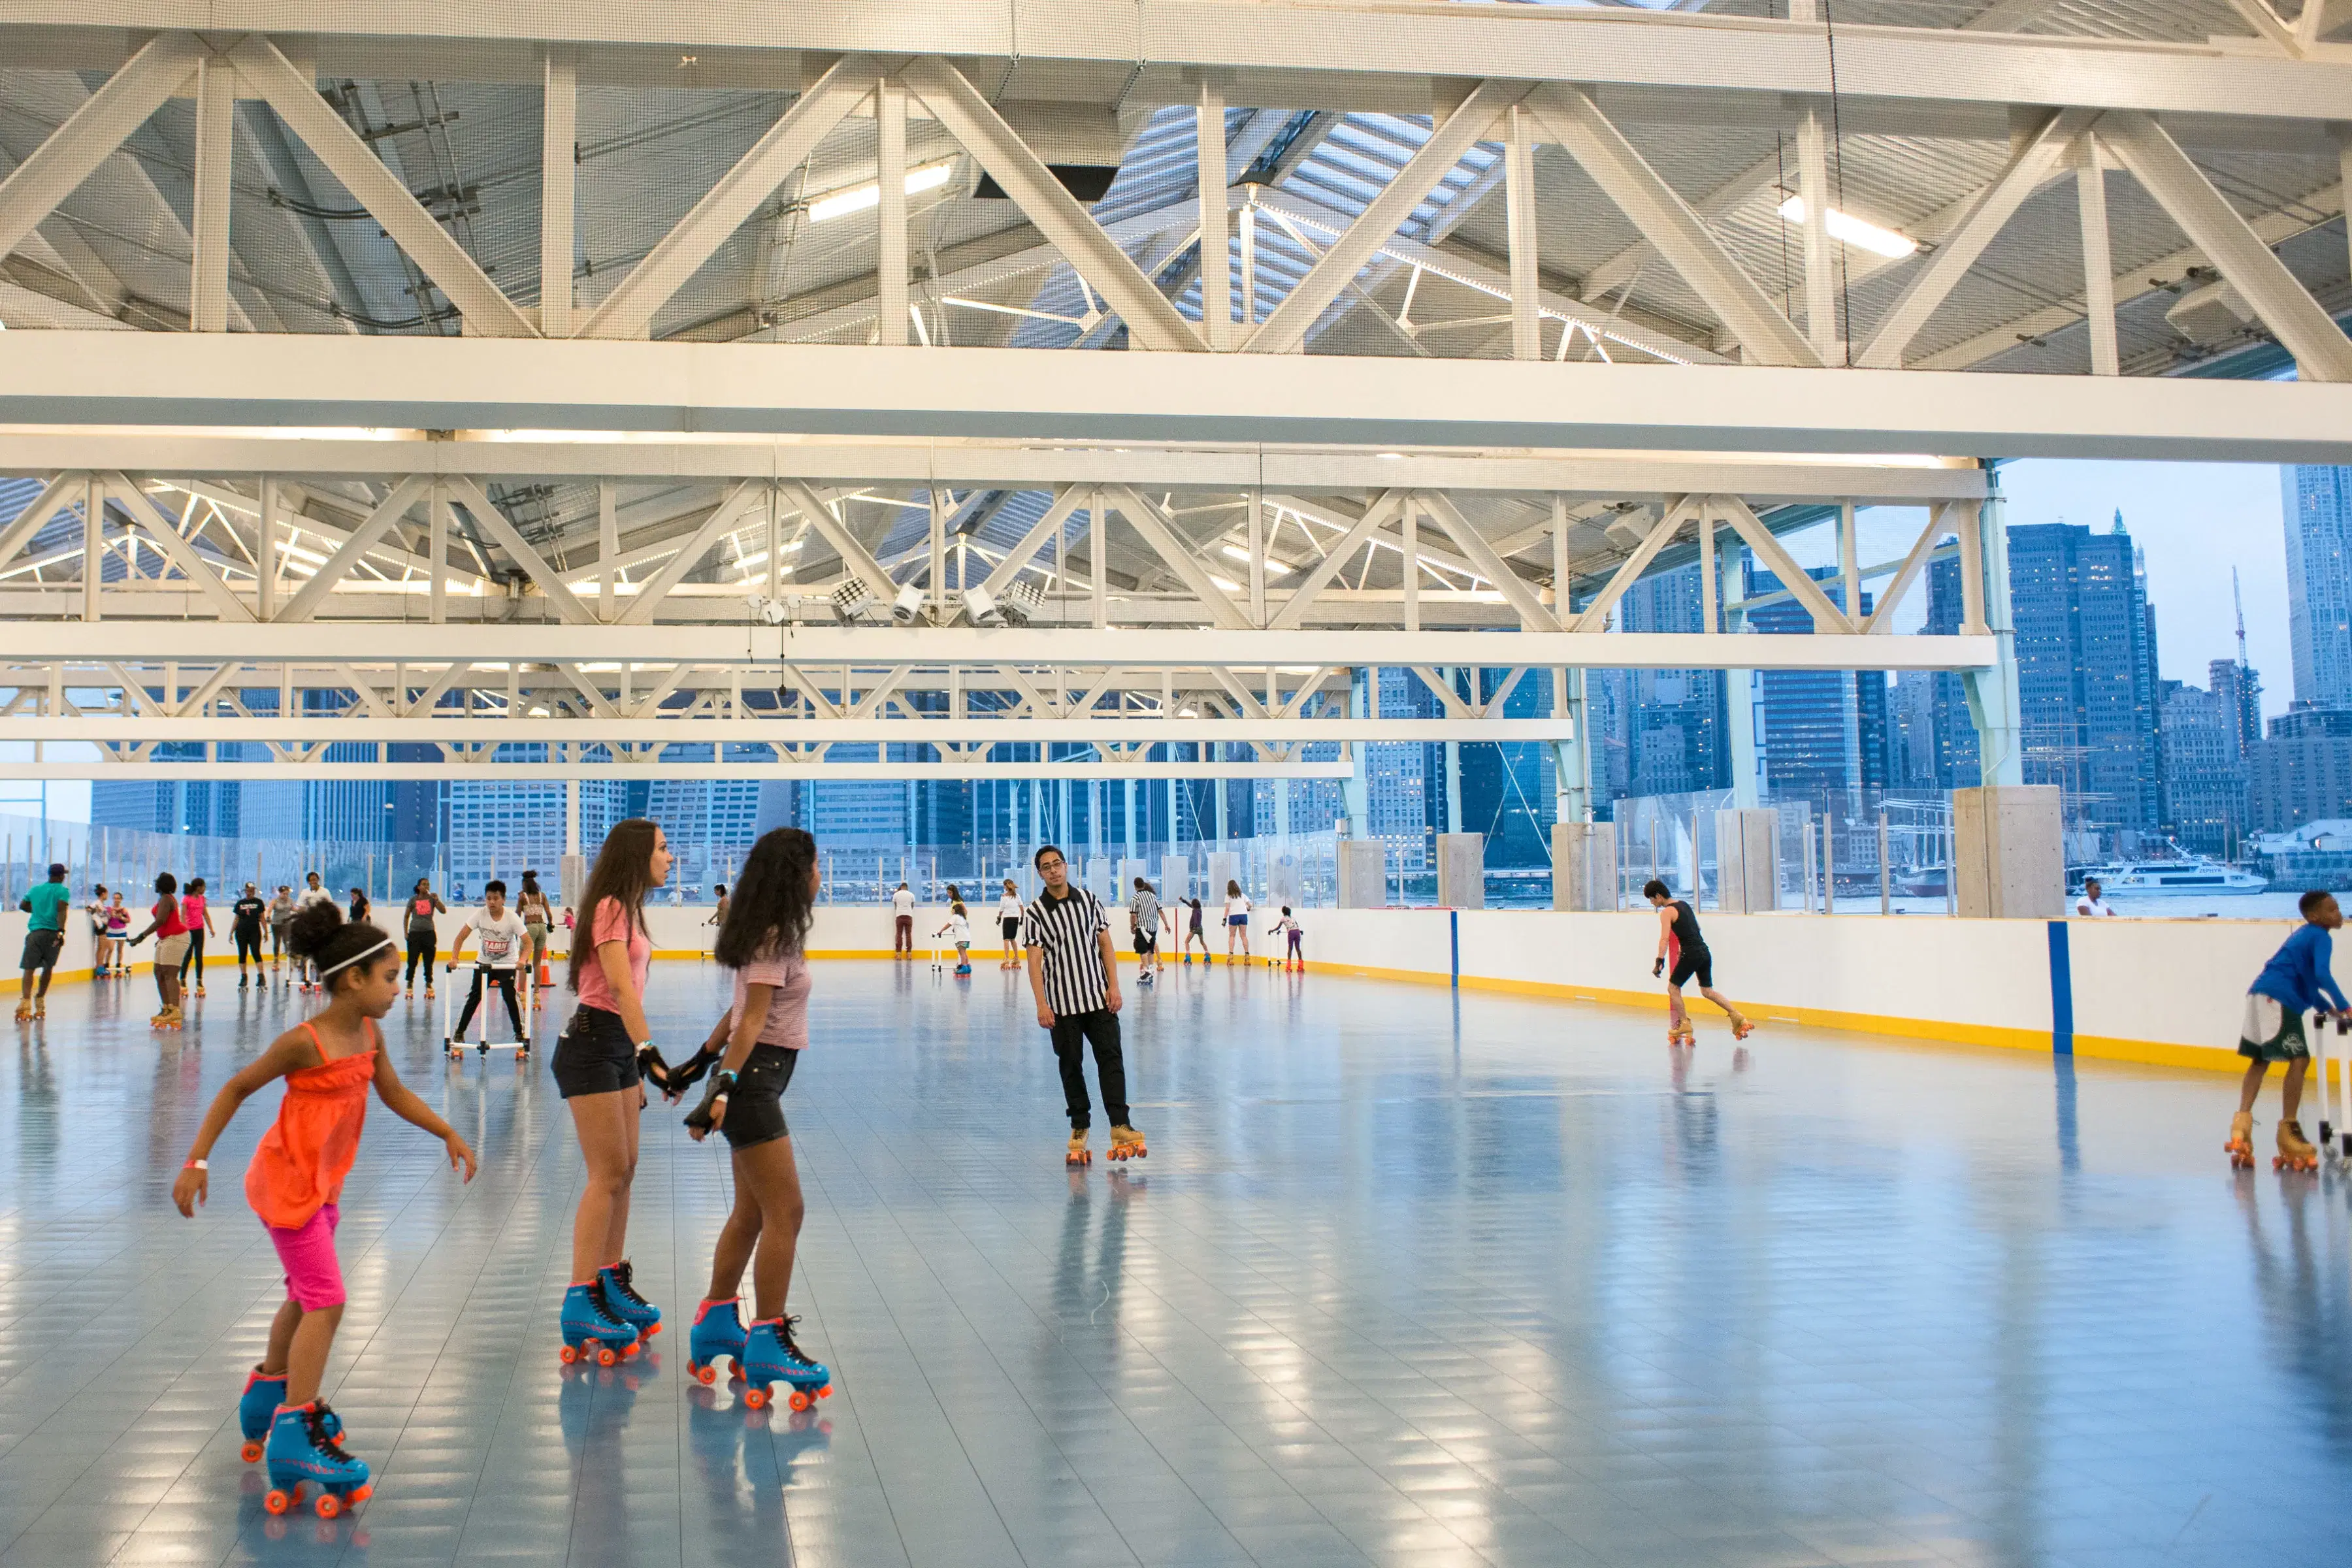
(1044,396)
(376,187)
(105,120)
(628,311)
(831,647)
(1281,52)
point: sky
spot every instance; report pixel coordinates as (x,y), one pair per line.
(2193,522)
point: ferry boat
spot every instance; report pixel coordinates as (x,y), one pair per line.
(2194,876)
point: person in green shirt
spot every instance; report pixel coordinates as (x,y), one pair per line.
(45,938)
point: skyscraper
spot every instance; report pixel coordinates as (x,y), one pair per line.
(2086,672)
(1957,762)
(2205,800)
(1818,732)
(2318,506)
(1676,735)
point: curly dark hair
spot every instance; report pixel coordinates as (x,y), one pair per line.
(773,901)
(623,873)
(321,934)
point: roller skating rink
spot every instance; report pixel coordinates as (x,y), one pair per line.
(1408,1278)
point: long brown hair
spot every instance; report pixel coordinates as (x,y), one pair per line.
(623,873)
(774,907)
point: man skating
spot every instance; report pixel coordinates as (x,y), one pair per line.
(45,939)
(2298,980)
(1681,946)
(1073,976)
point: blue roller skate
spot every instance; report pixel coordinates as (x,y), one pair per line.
(717,1331)
(301,1453)
(592,1330)
(771,1357)
(264,1393)
(621,1300)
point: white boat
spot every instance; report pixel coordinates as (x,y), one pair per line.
(2195,876)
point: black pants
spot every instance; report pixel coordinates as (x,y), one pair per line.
(421,945)
(504,979)
(1072,1033)
(248,944)
(196,959)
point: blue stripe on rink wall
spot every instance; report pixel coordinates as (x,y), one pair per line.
(1454,929)
(2062,992)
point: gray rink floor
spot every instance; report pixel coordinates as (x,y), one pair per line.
(1405,1281)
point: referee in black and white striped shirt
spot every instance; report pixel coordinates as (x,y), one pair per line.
(1074,976)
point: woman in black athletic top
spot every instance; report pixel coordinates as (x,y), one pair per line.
(1681,946)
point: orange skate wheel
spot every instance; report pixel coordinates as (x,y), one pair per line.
(800,1400)
(277,1501)
(650,1332)
(604,1356)
(629,1351)
(826,1393)
(250,1453)
(705,1375)
(757,1399)
(328,1505)
(360,1494)
(570,1354)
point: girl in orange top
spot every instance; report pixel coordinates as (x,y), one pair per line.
(297,1174)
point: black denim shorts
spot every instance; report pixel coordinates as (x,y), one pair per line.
(755,1106)
(594,1055)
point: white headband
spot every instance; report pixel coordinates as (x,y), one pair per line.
(354,958)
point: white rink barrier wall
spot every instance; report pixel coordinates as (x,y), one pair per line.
(2154,991)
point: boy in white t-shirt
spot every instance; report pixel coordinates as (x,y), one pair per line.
(501,933)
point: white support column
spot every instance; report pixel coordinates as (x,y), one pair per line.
(1411,568)
(1520,189)
(266,554)
(1256,504)
(775,547)
(1249,250)
(216,139)
(1098,561)
(437,551)
(1709,596)
(1849,567)
(608,550)
(1821,258)
(939,554)
(2098,260)
(559,132)
(93,532)
(1216,258)
(1993,693)
(890,212)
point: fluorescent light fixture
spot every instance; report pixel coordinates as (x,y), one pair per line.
(1855,231)
(1277,567)
(1228,587)
(858,198)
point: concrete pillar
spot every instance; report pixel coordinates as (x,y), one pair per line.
(2010,851)
(1461,870)
(1584,866)
(1747,860)
(1363,874)
(1175,878)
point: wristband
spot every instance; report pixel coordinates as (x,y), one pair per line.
(726,1081)
(198,1165)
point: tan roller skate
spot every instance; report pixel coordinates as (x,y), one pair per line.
(1079,1154)
(1127,1143)
(169,1018)
(1681,1034)
(2241,1142)
(24,1012)
(2294,1151)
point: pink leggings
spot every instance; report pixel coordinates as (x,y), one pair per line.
(314,1275)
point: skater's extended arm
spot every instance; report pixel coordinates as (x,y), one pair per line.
(290,1051)
(2322,953)
(457,948)
(402,1101)
(1665,937)
(757,1000)
(614,957)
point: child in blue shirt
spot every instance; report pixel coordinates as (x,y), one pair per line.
(2296,981)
